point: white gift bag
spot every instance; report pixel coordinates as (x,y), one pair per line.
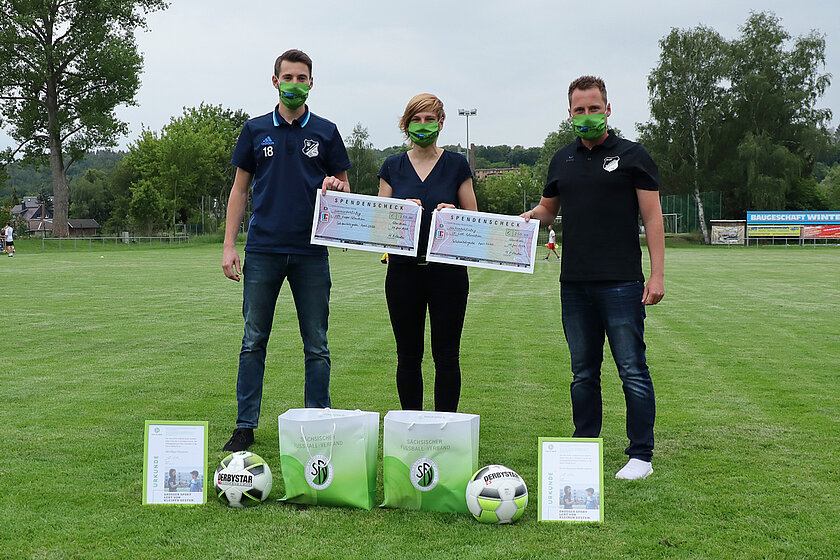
(329,457)
(428,458)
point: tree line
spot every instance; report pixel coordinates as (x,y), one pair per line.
(174,175)
(740,117)
(735,116)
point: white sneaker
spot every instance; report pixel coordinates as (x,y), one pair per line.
(635,469)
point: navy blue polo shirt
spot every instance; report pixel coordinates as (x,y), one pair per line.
(600,208)
(442,185)
(289,163)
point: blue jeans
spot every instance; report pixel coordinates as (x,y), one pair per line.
(591,310)
(309,279)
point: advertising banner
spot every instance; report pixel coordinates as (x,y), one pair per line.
(800,218)
(728,233)
(821,232)
(773,231)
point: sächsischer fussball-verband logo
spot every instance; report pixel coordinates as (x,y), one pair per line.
(424,474)
(318,472)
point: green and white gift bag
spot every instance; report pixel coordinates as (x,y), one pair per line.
(329,457)
(428,458)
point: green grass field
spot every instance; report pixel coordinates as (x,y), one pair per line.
(744,352)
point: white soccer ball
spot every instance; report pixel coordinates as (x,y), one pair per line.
(242,479)
(497,494)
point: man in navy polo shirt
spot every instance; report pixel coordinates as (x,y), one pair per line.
(602,183)
(288,154)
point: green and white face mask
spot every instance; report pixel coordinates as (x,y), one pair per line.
(423,134)
(590,127)
(293,95)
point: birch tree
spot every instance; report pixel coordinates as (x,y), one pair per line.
(687,100)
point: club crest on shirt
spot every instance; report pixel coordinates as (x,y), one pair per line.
(310,148)
(611,163)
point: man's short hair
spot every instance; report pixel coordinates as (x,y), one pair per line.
(588,82)
(293,55)
(420,103)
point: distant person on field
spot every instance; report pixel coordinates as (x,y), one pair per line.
(10,240)
(288,154)
(433,178)
(551,245)
(602,183)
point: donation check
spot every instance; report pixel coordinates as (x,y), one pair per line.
(368,223)
(483,240)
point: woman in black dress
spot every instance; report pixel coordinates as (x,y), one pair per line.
(433,178)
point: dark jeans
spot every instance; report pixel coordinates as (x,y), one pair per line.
(410,289)
(309,279)
(591,310)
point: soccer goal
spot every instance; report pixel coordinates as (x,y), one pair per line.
(672,223)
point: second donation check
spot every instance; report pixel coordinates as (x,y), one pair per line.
(483,240)
(369,223)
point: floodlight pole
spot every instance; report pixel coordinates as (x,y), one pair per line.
(467,113)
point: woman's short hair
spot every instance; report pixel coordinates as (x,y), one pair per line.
(421,103)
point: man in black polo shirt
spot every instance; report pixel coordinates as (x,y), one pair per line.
(602,182)
(288,154)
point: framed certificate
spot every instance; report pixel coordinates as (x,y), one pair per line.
(483,240)
(368,223)
(571,484)
(174,463)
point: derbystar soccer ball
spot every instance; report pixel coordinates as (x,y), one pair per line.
(242,479)
(497,494)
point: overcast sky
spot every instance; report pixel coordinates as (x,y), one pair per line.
(510,60)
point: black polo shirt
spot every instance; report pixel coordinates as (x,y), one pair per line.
(597,194)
